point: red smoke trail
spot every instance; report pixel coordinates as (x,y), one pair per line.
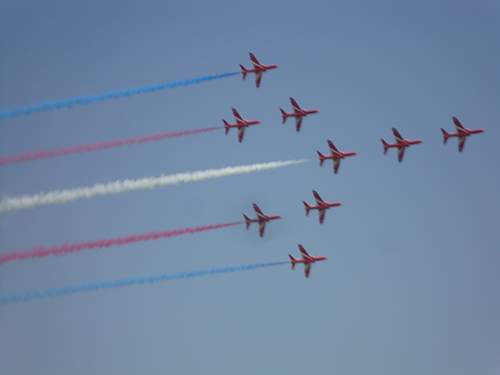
(37,155)
(39,252)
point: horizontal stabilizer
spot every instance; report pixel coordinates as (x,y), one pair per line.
(386,145)
(321,158)
(446,135)
(284,116)
(306,207)
(247,221)
(244,72)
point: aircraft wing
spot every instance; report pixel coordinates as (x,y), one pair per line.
(257,210)
(322,213)
(458,124)
(254,60)
(307,269)
(332,146)
(295,105)
(401,153)
(241,134)
(336,166)
(397,135)
(262,228)
(236,114)
(317,197)
(258,79)
(298,123)
(304,252)
(461,143)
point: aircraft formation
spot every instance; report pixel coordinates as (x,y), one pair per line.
(240,125)
(298,113)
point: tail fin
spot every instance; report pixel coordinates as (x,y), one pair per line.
(386,145)
(293,261)
(244,72)
(307,207)
(226,126)
(321,158)
(446,135)
(283,116)
(247,221)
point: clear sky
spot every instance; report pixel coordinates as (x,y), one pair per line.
(411,284)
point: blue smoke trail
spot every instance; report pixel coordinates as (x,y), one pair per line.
(84,100)
(50,293)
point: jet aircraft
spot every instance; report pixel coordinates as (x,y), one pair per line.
(321,206)
(298,112)
(335,155)
(257,68)
(401,144)
(461,133)
(262,219)
(307,260)
(240,124)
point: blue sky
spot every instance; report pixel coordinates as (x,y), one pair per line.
(411,284)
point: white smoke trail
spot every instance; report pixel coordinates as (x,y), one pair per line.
(116,187)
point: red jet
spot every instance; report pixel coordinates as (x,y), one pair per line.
(462,133)
(240,124)
(298,113)
(306,259)
(401,144)
(262,219)
(321,206)
(335,155)
(257,68)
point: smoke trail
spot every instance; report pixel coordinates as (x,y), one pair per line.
(37,155)
(40,252)
(50,293)
(84,100)
(121,186)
